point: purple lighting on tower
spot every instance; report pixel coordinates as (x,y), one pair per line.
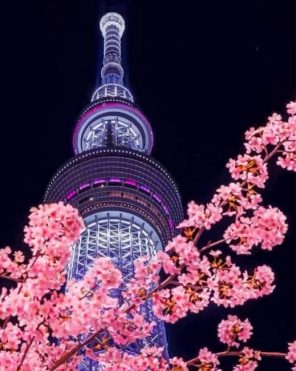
(145,188)
(130,182)
(99,181)
(84,186)
(157,197)
(71,195)
(115,180)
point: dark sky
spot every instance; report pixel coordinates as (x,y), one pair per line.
(201,71)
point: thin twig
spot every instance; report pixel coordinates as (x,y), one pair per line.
(273,152)
(197,237)
(74,350)
(25,353)
(206,247)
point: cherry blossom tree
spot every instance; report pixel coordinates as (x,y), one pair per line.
(47,327)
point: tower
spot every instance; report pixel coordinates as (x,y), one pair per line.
(129,202)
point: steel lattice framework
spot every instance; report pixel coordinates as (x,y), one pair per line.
(118,237)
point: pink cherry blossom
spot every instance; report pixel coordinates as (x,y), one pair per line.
(248,168)
(232,331)
(248,360)
(266,227)
(228,287)
(216,253)
(183,252)
(146,271)
(10,337)
(19,257)
(291,108)
(168,263)
(126,328)
(254,140)
(170,304)
(236,199)
(53,222)
(291,355)
(208,360)
(231,287)
(178,364)
(287,159)
(201,216)
(261,283)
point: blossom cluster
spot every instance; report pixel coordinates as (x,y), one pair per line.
(248,360)
(236,198)
(194,281)
(207,360)
(279,133)
(86,305)
(36,316)
(251,169)
(232,331)
(200,216)
(291,355)
(241,198)
(51,230)
(266,227)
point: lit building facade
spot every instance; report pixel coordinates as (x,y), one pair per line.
(129,202)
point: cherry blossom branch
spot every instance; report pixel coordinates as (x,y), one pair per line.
(238,353)
(267,157)
(162,285)
(28,347)
(25,353)
(74,350)
(78,347)
(209,246)
(273,152)
(198,235)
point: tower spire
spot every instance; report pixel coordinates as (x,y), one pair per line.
(112,26)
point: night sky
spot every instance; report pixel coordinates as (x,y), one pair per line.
(201,71)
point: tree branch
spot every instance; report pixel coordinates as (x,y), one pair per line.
(74,350)
(209,246)
(25,353)
(238,353)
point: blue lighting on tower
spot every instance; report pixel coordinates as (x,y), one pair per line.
(129,202)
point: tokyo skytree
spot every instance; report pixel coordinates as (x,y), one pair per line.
(130,203)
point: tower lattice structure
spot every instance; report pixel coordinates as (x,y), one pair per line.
(129,202)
